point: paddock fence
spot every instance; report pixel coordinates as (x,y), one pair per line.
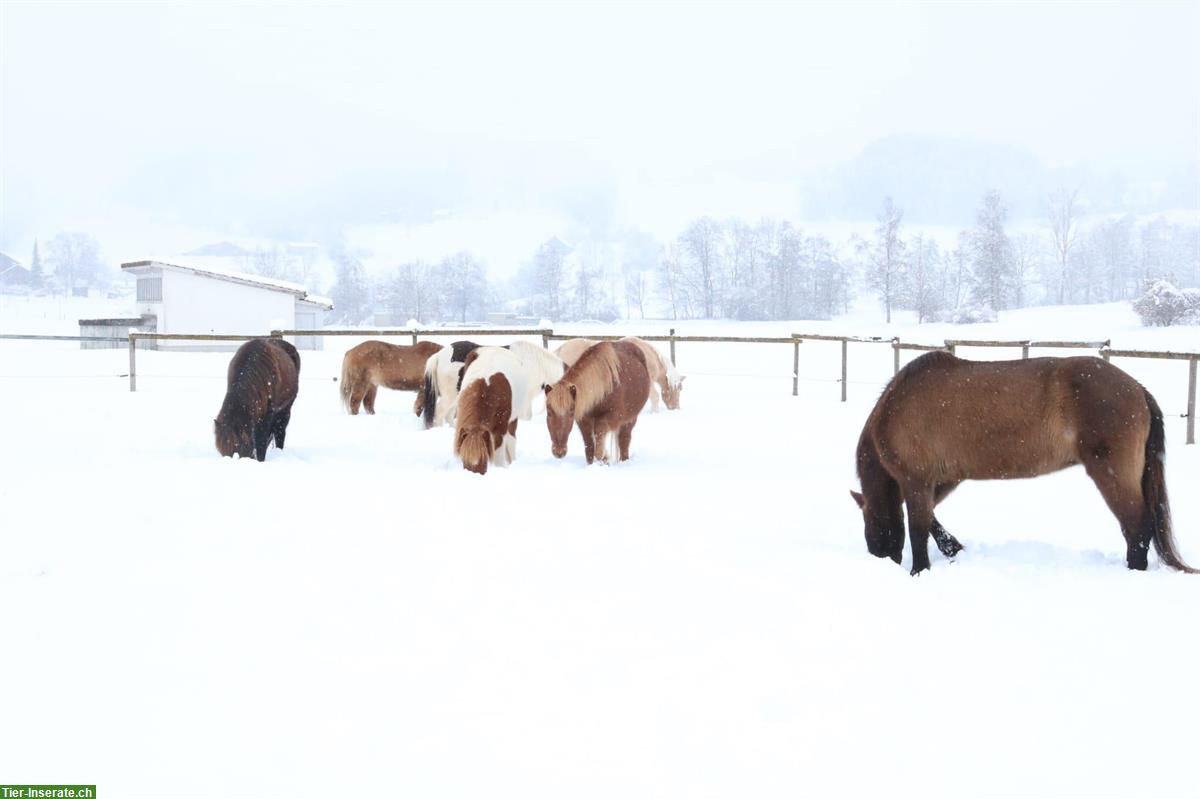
(1102,348)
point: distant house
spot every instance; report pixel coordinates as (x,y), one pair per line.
(182,298)
(12,272)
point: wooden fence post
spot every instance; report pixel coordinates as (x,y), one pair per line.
(895,356)
(1104,353)
(414,338)
(1191,407)
(795,367)
(1025,351)
(546,339)
(950,347)
(845,350)
(672,346)
(132,362)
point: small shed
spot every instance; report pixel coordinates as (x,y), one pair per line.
(114,328)
(184,298)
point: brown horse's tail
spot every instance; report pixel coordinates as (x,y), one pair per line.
(1157,514)
(346,387)
(429,393)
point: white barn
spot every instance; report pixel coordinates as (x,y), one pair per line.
(206,299)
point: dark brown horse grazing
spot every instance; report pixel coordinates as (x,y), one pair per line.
(263,379)
(484,427)
(602,393)
(377,363)
(943,420)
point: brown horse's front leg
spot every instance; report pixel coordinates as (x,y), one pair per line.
(624,437)
(587,431)
(919,502)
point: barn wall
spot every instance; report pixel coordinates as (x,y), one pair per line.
(195,304)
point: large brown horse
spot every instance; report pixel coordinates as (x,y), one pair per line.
(943,420)
(485,425)
(602,393)
(263,378)
(377,363)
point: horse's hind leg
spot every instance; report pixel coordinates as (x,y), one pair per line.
(624,437)
(947,544)
(919,501)
(369,399)
(279,426)
(356,398)
(1123,494)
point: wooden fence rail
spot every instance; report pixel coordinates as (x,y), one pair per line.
(1103,348)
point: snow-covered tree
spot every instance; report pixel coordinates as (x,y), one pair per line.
(464,286)
(923,287)
(991,254)
(351,293)
(36,275)
(1162,304)
(76,259)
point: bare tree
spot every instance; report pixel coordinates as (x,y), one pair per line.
(701,245)
(922,293)
(991,253)
(1062,214)
(75,257)
(464,285)
(1026,259)
(884,256)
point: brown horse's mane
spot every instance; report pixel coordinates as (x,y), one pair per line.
(594,375)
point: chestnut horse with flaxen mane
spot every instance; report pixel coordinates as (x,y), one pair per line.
(377,363)
(263,378)
(943,420)
(602,393)
(485,423)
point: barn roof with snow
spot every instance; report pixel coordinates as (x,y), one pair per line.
(218,273)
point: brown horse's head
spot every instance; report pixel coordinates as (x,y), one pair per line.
(881,527)
(671,392)
(474,445)
(233,435)
(560,415)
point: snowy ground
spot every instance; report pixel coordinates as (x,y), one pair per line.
(360,613)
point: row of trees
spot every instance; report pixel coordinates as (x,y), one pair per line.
(454,289)
(990,269)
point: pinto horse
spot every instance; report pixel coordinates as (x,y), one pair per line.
(263,378)
(943,420)
(662,371)
(377,363)
(443,376)
(492,400)
(602,393)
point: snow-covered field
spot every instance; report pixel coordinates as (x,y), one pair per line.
(359,613)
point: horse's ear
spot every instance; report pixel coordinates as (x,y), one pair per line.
(547,389)
(574,391)
(857,498)
(682,379)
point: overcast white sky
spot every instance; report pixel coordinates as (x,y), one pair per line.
(268,101)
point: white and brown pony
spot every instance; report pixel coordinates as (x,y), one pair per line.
(532,365)
(662,371)
(443,375)
(493,399)
(602,394)
(377,363)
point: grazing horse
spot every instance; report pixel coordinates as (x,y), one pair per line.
(377,363)
(484,426)
(602,393)
(662,371)
(443,375)
(494,397)
(942,420)
(263,378)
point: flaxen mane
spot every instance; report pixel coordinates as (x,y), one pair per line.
(594,376)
